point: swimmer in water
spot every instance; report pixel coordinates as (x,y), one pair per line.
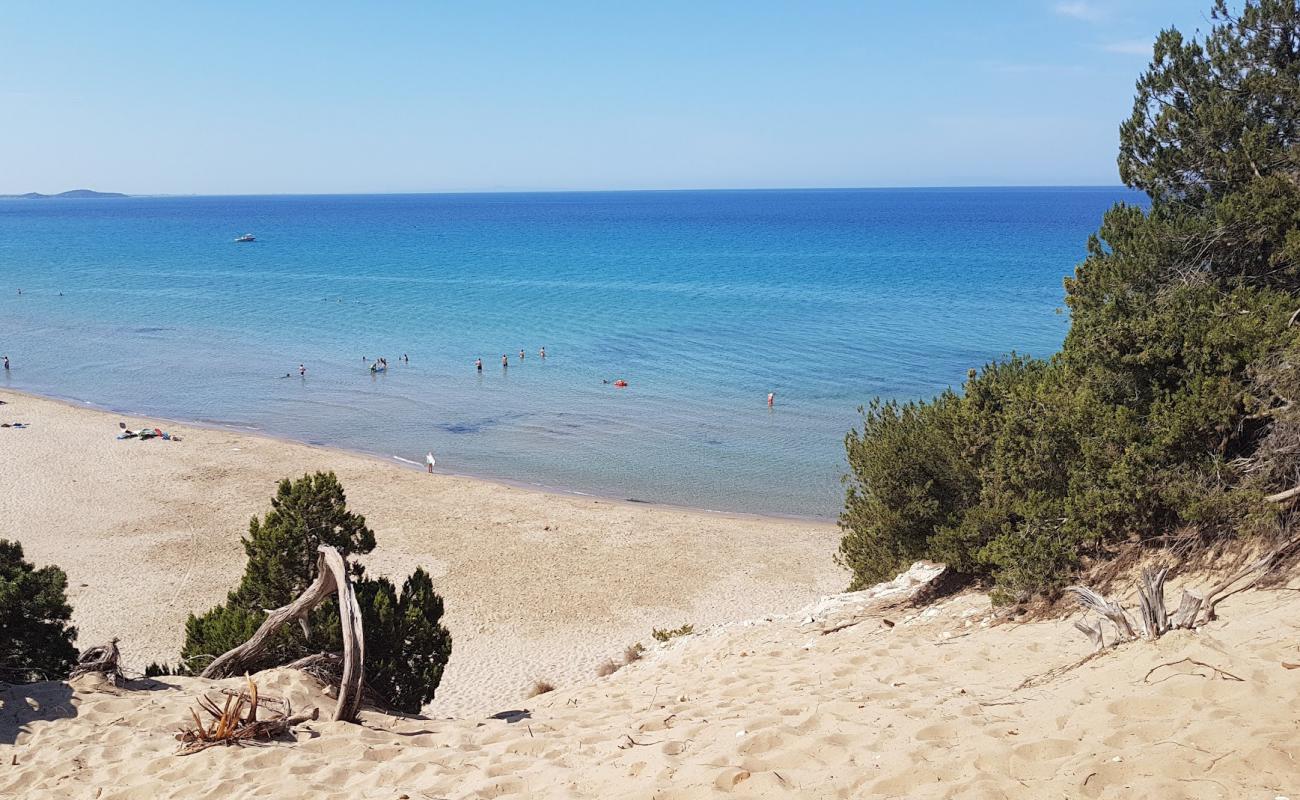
(542,352)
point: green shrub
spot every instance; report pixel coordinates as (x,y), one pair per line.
(1170,405)
(664,634)
(406,645)
(35,637)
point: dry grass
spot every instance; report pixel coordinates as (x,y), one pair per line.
(236,722)
(607,667)
(633,652)
(541,687)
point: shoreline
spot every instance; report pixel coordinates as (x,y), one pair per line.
(537,585)
(232,427)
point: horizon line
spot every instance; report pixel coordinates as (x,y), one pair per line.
(948,187)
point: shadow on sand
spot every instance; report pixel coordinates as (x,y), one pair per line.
(21,704)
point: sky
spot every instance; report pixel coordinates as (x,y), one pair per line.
(338,97)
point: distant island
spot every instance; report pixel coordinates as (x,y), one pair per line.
(76,194)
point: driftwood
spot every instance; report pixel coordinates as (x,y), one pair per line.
(100,659)
(1154,619)
(328,669)
(1282,497)
(1093,631)
(1258,569)
(1151,603)
(331,578)
(1108,609)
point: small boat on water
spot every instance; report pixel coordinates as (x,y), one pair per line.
(248,237)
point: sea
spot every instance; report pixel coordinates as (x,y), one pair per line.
(703,302)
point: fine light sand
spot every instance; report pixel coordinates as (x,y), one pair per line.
(831,703)
(537,586)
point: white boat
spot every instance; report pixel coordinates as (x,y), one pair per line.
(248,237)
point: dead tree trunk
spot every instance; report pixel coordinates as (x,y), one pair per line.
(1258,568)
(1151,602)
(1107,608)
(100,659)
(1155,620)
(331,577)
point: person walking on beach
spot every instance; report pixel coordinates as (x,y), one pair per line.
(429,462)
(478,364)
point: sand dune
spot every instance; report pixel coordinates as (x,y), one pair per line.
(938,706)
(536,585)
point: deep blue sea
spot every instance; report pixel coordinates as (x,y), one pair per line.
(703,301)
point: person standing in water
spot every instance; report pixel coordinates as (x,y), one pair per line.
(521,354)
(505,361)
(429,462)
(542,352)
(302,371)
(478,364)
(771,398)
(6,363)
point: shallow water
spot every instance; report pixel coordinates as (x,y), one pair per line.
(703,301)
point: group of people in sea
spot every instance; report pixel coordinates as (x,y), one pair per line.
(381,364)
(505,359)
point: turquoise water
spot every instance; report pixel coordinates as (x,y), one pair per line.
(703,301)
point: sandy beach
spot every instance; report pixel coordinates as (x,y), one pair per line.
(537,585)
(830,702)
(782,691)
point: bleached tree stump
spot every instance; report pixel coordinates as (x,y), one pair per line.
(1154,618)
(331,578)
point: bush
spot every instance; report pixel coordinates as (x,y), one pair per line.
(607,667)
(663,634)
(1170,405)
(406,645)
(35,637)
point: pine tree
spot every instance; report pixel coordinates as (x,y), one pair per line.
(406,645)
(35,637)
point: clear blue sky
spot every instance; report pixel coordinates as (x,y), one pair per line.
(271,97)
